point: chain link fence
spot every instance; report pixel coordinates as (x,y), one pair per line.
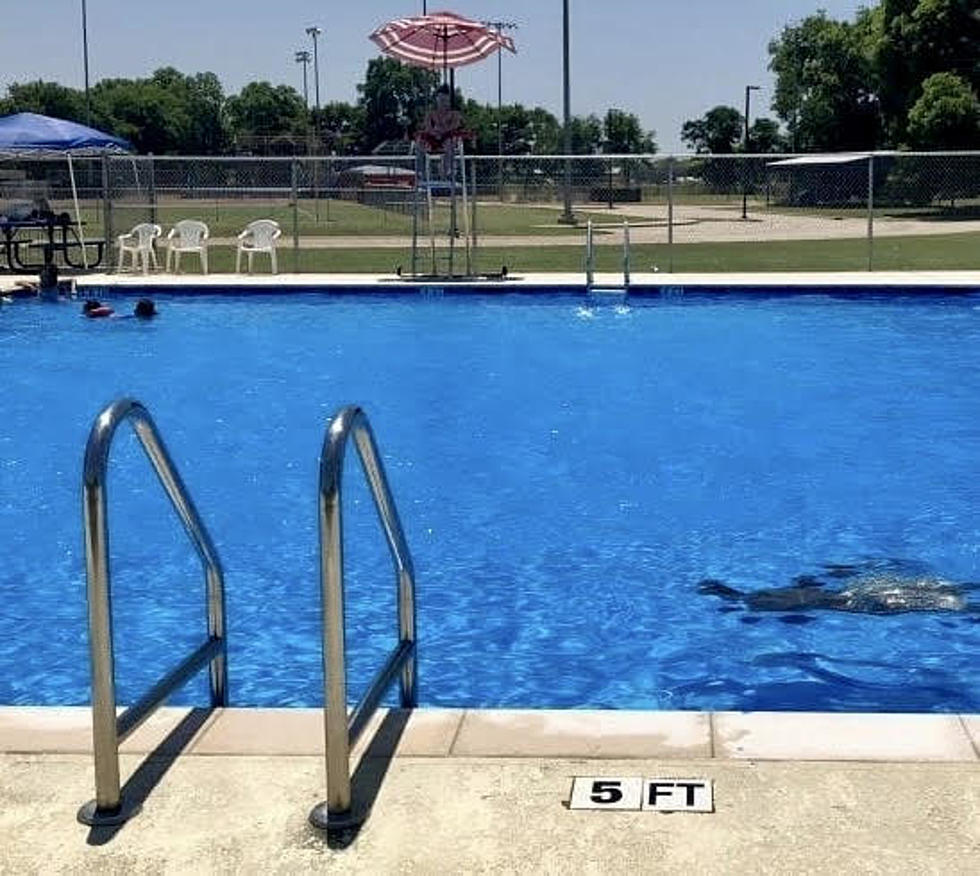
(380,214)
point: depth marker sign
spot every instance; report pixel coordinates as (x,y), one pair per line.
(635,794)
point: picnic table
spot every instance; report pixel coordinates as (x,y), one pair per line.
(57,233)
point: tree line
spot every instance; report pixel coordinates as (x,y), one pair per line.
(904,74)
(172,113)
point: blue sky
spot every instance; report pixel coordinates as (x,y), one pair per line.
(665,61)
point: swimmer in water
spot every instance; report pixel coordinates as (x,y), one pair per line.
(95,309)
(145,309)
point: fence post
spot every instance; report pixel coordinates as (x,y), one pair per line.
(670,214)
(294,195)
(475,190)
(871,211)
(107,215)
(153,188)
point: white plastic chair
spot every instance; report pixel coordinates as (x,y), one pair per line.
(140,242)
(258,236)
(187,235)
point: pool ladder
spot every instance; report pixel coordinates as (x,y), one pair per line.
(108,730)
(110,806)
(613,294)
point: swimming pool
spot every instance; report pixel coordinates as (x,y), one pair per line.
(566,477)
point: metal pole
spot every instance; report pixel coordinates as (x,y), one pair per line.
(337,741)
(153,189)
(104,740)
(314,32)
(567,217)
(107,214)
(337,811)
(474,192)
(303,57)
(670,214)
(295,198)
(419,170)
(626,254)
(500,27)
(500,127)
(745,149)
(589,267)
(88,101)
(871,211)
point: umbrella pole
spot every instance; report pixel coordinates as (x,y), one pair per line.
(78,212)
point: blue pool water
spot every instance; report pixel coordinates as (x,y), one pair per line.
(565,476)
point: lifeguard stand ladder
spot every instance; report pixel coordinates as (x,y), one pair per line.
(425,185)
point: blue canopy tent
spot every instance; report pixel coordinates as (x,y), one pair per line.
(36,134)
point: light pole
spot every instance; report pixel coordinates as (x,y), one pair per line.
(745,149)
(88,101)
(314,32)
(500,27)
(303,57)
(567,217)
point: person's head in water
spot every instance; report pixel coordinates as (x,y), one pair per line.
(90,305)
(145,309)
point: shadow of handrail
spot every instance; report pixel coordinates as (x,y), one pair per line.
(369,775)
(149,773)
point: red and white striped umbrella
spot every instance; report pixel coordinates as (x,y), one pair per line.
(440,40)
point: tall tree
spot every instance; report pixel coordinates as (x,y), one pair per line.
(824,79)
(915,39)
(765,136)
(718,131)
(202,99)
(622,134)
(263,109)
(46,98)
(946,115)
(341,127)
(586,134)
(395,99)
(147,114)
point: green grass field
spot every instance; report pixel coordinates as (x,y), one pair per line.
(933,252)
(346,218)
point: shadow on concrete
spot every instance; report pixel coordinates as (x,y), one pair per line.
(370,773)
(149,773)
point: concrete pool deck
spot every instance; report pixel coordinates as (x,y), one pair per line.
(487,791)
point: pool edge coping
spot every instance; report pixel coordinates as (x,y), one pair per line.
(641,283)
(532,733)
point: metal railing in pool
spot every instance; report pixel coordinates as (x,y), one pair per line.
(108,730)
(591,289)
(341,731)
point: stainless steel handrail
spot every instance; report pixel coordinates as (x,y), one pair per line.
(626,255)
(590,260)
(589,257)
(108,730)
(341,731)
